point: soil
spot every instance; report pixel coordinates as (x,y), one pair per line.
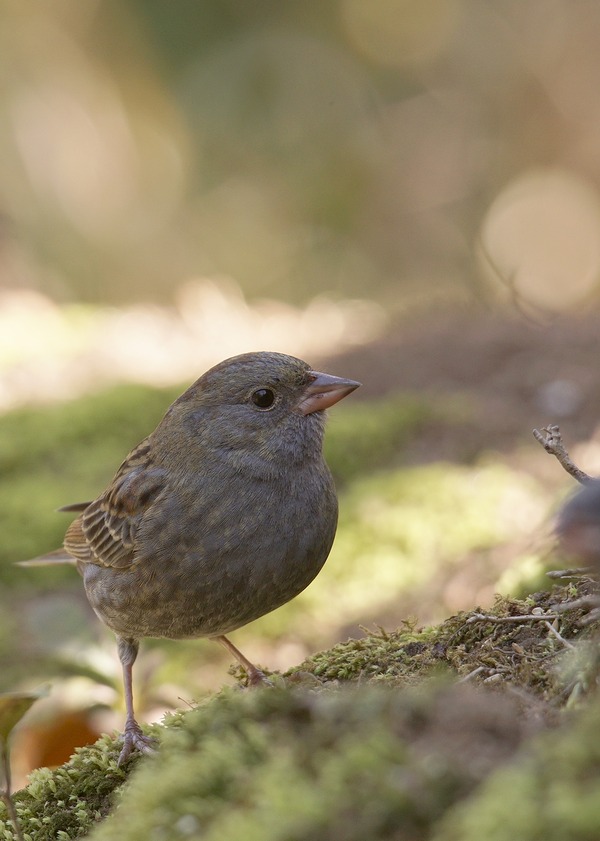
(511,374)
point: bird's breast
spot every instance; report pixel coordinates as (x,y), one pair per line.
(215,556)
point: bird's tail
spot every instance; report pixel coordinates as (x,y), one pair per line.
(59,556)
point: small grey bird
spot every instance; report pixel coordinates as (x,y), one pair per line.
(222,514)
(578,524)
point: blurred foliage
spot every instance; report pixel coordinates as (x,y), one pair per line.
(365,437)
(61,454)
(13,706)
(362,148)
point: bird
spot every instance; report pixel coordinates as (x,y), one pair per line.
(578,524)
(225,512)
(578,531)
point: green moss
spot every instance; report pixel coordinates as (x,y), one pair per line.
(551,793)
(315,765)
(67,802)
(524,654)
(354,743)
(365,437)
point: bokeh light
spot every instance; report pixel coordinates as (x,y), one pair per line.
(400,33)
(50,352)
(542,238)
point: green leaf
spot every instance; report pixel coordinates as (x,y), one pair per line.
(13,706)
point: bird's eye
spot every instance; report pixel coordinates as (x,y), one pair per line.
(263,398)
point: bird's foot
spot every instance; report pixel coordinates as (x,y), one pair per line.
(257,678)
(135,740)
(254,676)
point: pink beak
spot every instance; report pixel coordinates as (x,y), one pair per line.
(324,391)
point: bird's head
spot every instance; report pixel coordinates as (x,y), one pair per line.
(268,403)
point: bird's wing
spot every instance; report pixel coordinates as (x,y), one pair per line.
(104,533)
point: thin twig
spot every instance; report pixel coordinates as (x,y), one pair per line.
(588,601)
(473,674)
(525,617)
(6,795)
(576,572)
(550,439)
(535,315)
(560,638)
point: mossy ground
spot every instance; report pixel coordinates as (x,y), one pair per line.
(67,802)
(521,653)
(376,738)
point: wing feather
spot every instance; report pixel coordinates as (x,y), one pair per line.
(105,532)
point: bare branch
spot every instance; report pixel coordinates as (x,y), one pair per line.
(499,620)
(576,572)
(550,439)
(558,636)
(473,674)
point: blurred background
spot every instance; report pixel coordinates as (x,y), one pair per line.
(405,192)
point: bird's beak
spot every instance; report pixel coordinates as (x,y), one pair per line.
(323,392)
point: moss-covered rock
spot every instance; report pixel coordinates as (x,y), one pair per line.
(277,764)
(66,803)
(349,765)
(362,741)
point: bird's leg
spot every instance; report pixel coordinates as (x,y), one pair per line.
(255,676)
(133,738)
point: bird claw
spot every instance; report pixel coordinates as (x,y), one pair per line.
(135,740)
(257,678)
